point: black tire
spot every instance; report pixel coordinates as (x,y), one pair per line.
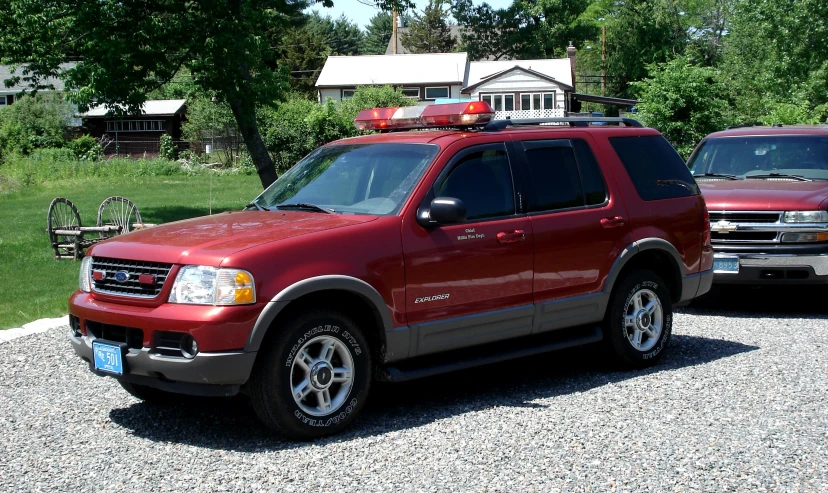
(620,337)
(271,384)
(151,395)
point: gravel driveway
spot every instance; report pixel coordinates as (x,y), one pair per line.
(740,402)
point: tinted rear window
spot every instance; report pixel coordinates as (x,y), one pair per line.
(656,169)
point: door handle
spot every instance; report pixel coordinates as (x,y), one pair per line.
(612,222)
(513,237)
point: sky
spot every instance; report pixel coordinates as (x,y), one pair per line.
(361,13)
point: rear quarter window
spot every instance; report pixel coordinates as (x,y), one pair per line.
(656,169)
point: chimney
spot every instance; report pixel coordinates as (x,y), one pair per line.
(570,53)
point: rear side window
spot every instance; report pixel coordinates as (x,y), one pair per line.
(564,175)
(656,169)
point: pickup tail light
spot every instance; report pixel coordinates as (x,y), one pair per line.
(432,116)
(706,237)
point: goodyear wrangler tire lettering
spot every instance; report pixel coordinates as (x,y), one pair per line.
(639,319)
(314,374)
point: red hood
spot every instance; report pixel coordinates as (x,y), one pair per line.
(763,195)
(208,240)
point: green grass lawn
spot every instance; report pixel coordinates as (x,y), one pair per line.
(34,285)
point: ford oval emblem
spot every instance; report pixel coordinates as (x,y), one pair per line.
(122,276)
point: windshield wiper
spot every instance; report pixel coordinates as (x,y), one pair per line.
(306,207)
(257,206)
(717,175)
(778,175)
(689,186)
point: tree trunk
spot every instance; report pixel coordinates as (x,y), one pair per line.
(245,114)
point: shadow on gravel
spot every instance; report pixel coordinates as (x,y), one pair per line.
(766,301)
(230,424)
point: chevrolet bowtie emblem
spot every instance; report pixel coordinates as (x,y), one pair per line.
(723,227)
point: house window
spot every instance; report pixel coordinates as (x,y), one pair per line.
(436,92)
(411,92)
(135,126)
(348,93)
(538,101)
(500,102)
(4,100)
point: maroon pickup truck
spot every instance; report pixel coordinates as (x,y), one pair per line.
(767,192)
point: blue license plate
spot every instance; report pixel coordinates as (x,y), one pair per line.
(108,358)
(726,265)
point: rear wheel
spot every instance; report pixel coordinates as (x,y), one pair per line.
(639,319)
(313,377)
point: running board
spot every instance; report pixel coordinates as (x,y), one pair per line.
(428,366)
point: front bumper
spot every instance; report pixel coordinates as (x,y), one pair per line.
(776,268)
(219,368)
(220,374)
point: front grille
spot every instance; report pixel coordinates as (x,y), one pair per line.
(134,338)
(745,217)
(745,236)
(109,267)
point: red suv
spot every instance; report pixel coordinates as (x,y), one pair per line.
(399,255)
(767,190)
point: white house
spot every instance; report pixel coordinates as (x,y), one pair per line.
(521,88)
(425,77)
(9,94)
(514,88)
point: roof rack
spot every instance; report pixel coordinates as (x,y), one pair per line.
(573,121)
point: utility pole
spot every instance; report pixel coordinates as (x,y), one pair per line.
(394,31)
(604,60)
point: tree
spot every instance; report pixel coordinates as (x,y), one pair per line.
(127,49)
(429,32)
(378,33)
(525,29)
(342,36)
(685,102)
(304,55)
(777,53)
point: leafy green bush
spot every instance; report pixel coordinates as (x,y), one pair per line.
(298,126)
(34,122)
(86,148)
(684,102)
(167,149)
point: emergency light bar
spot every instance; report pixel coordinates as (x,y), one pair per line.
(432,116)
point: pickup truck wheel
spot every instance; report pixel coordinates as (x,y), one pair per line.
(150,395)
(639,319)
(313,377)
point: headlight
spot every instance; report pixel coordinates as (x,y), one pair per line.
(204,285)
(806,217)
(84,284)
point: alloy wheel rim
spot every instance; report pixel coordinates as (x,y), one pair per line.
(321,375)
(643,320)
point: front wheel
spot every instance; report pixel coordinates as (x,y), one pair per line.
(314,376)
(639,319)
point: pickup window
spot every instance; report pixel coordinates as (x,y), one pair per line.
(763,156)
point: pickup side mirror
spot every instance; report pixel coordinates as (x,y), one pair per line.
(447,210)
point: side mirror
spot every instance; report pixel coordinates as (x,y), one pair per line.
(447,210)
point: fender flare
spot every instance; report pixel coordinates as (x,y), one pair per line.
(312,285)
(637,247)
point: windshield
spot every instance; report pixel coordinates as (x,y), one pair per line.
(744,157)
(351,178)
